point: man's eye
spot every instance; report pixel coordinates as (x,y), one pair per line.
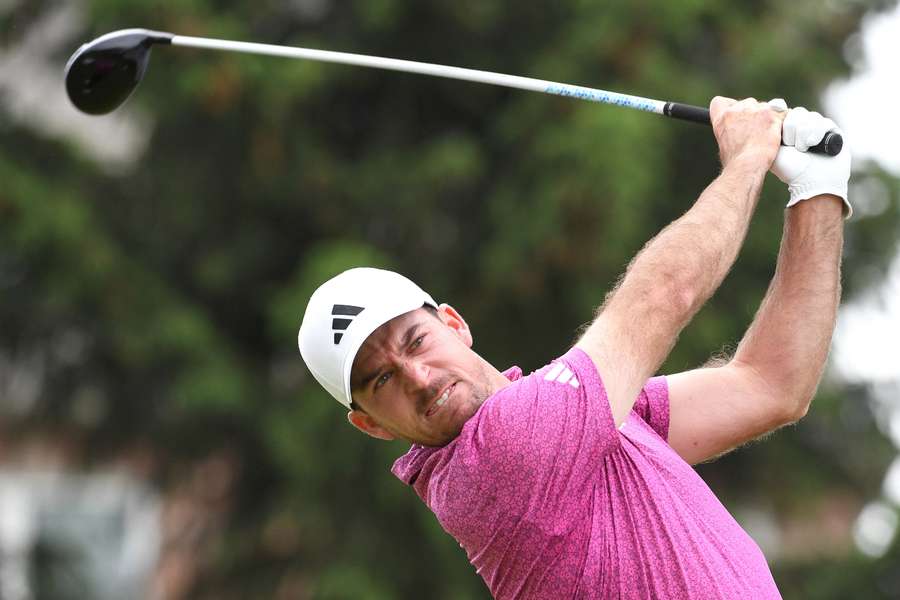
(382,380)
(417,342)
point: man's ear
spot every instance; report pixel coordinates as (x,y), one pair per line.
(365,423)
(454,321)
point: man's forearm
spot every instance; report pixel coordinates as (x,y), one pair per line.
(788,341)
(675,273)
(697,250)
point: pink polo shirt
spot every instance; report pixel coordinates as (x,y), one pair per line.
(550,500)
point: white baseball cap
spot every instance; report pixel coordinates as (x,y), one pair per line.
(343,312)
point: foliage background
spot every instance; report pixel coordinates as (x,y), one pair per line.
(184,275)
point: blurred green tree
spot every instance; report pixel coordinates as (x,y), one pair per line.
(184,277)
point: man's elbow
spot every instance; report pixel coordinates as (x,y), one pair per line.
(800,403)
(789,395)
(795,412)
(797,399)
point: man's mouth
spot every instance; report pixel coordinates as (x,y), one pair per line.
(441,401)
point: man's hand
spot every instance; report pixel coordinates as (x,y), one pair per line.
(746,130)
(806,174)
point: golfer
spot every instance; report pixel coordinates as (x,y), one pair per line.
(575,481)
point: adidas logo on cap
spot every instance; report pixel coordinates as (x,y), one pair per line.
(341,325)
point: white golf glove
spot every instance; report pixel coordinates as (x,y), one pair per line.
(805,173)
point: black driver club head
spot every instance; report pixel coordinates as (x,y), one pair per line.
(102,74)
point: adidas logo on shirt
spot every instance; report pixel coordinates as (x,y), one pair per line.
(340,325)
(560,373)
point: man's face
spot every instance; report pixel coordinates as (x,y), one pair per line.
(417,378)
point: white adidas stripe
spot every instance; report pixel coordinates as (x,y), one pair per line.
(554,371)
(561,374)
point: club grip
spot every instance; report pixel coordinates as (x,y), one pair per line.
(687,112)
(831,144)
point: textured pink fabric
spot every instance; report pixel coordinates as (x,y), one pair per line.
(551,501)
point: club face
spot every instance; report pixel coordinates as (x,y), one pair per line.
(103,73)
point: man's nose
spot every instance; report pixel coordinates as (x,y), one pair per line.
(417,374)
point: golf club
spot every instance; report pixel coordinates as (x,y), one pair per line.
(103,73)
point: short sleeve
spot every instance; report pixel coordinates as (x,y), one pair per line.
(652,405)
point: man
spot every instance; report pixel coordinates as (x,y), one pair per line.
(574,481)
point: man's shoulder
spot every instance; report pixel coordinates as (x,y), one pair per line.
(562,374)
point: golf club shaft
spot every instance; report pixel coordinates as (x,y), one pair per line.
(408,66)
(831,144)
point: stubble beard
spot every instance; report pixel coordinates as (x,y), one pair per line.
(480,392)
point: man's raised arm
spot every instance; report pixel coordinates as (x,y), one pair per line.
(777,366)
(788,340)
(679,269)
